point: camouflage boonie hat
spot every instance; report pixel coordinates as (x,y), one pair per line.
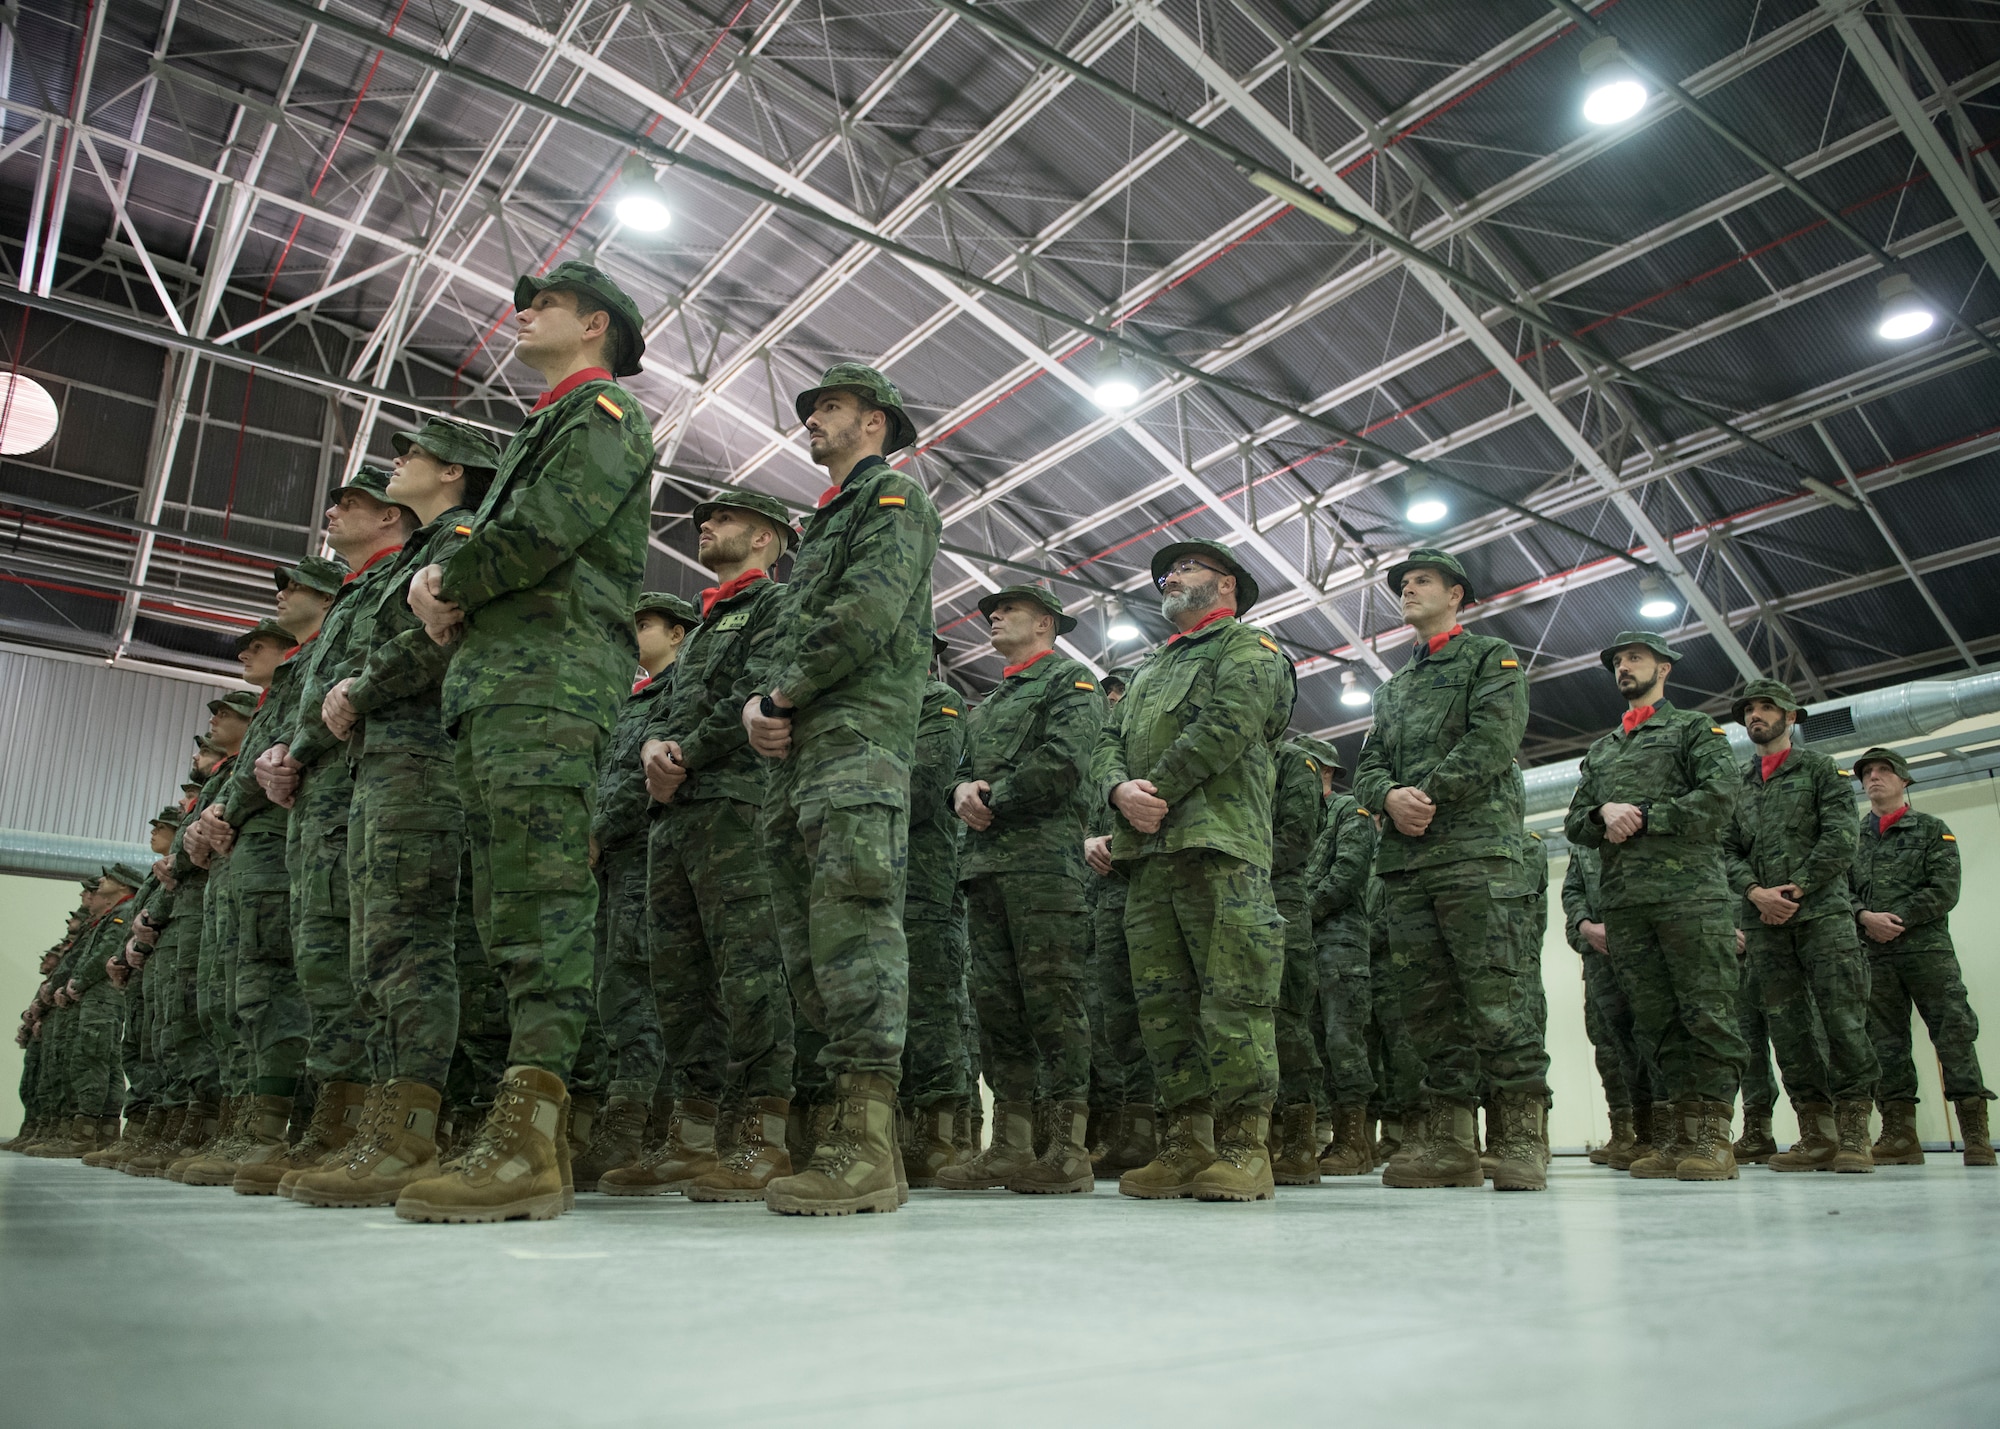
(1120,674)
(1776,691)
(757,504)
(1898,765)
(370,481)
(682,612)
(864,381)
(1044,598)
(89,885)
(314,573)
(237,702)
(1246,584)
(1319,749)
(266,630)
(125,874)
(940,647)
(1439,560)
(1653,642)
(573,274)
(450,442)
(169,817)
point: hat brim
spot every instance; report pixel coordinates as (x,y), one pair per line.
(703,508)
(1246,584)
(1064,623)
(1609,654)
(1736,710)
(243,640)
(902,431)
(1403,568)
(527,285)
(1888,764)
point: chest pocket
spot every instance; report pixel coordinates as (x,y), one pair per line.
(1002,729)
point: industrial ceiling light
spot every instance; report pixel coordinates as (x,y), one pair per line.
(642,203)
(1353,693)
(1115,385)
(27,415)
(1904,312)
(1655,601)
(1422,504)
(1121,627)
(1614,91)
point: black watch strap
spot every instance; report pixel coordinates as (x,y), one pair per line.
(771,710)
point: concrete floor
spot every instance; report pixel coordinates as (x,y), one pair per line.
(1779,1300)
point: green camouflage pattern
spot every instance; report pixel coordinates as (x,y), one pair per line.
(321,573)
(702,704)
(1628,1080)
(1760,1079)
(623,806)
(1796,827)
(756,503)
(1813,979)
(398,669)
(1215,553)
(453,443)
(316,856)
(1439,560)
(1034,595)
(936,835)
(1676,963)
(1337,880)
(575,273)
(626,1009)
(1032,739)
(1296,817)
(1911,871)
(1648,639)
(1030,937)
(1895,762)
(1678,769)
(345,638)
(1930,982)
(1121,1072)
(1776,691)
(934,912)
(865,381)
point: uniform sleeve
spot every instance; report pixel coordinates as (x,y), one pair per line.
(1496,720)
(1738,842)
(1297,813)
(1937,895)
(1248,685)
(1048,774)
(889,558)
(1578,825)
(1107,763)
(588,471)
(1344,885)
(1576,904)
(1374,775)
(1832,851)
(940,751)
(622,796)
(1712,772)
(241,795)
(407,663)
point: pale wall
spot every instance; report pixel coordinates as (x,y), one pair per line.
(32,912)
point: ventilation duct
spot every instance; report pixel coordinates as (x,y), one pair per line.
(64,855)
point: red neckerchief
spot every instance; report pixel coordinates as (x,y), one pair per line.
(1632,719)
(1010,671)
(1772,763)
(1219,613)
(356,574)
(263,695)
(640,684)
(1438,642)
(713,595)
(827,496)
(1886,822)
(568,385)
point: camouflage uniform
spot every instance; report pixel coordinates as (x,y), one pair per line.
(853,642)
(1118,1056)
(94,1073)
(934,914)
(1338,886)
(1296,816)
(546,578)
(1627,1077)
(1032,740)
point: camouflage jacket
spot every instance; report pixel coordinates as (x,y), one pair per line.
(1796,827)
(936,835)
(1103,824)
(854,630)
(1535,858)
(703,706)
(1032,739)
(1582,896)
(1450,725)
(553,562)
(623,804)
(1297,812)
(399,683)
(187,873)
(1337,875)
(106,940)
(1911,871)
(1200,720)
(244,804)
(1678,769)
(335,654)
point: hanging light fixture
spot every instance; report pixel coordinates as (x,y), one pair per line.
(1116,384)
(1905,314)
(1613,90)
(27,415)
(1119,627)
(1353,693)
(642,203)
(1423,504)
(1656,602)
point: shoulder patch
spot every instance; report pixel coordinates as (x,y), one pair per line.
(1363,812)
(1269,644)
(949,710)
(1718,729)
(1311,764)
(1084,685)
(617,412)
(892,501)
(1951,838)
(1510,664)
(462,530)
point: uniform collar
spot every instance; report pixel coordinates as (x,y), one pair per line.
(834,493)
(1214,617)
(1882,823)
(568,385)
(1010,671)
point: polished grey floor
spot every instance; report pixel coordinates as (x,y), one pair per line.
(1778,1300)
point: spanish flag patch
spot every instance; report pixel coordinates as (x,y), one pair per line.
(1510,664)
(462,530)
(1363,812)
(892,501)
(1951,838)
(1717,729)
(1266,642)
(949,710)
(1085,685)
(617,412)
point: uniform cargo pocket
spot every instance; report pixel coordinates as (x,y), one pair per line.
(1246,945)
(539,806)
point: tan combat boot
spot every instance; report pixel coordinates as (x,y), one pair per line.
(153,1159)
(1012,1152)
(123,1142)
(1623,1137)
(1851,1127)
(1898,1145)
(798,1134)
(359,1123)
(1756,1146)
(1446,1153)
(512,1167)
(1187,1148)
(260,1134)
(1297,1161)
(1136,1143)
(583,1113)
(758,1158)
(933,1143)
(854,1167)
(401,1150)
(962,1132)
(619,1139)
(335,1113)
(1064,1167)
(140,1141)
(1241,1170)
(216,1130)
(77,1136)
(1520,1162)
(1348,1153)
(1642,1140)
(1663,1162)
(687,1151)
(1972,1127)
(1710,1154)
(1817,1144)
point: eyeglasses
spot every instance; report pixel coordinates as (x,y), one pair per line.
(1185,567)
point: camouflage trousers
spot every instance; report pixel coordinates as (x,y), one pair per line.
(1458,935)
(1118,1056)
(96,1076)
(1391,1056)
(135,1052)
(1030,940)
(51,1092)
(528,776)
(627,1016)
(215,980)
(184,1053)
(935,1065)
(1760,1082)
(1929,982)
(714,935)
(835,831)
(405,843)
(268,1008)
(1301,1073)
(322,940)
(28,1088)
(687,994)
(1676,962)
(1346,1007)
(1207,949)
(1816,966)
(479,1060)
(1627,1077)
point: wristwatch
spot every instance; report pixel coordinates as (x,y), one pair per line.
(773,711)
